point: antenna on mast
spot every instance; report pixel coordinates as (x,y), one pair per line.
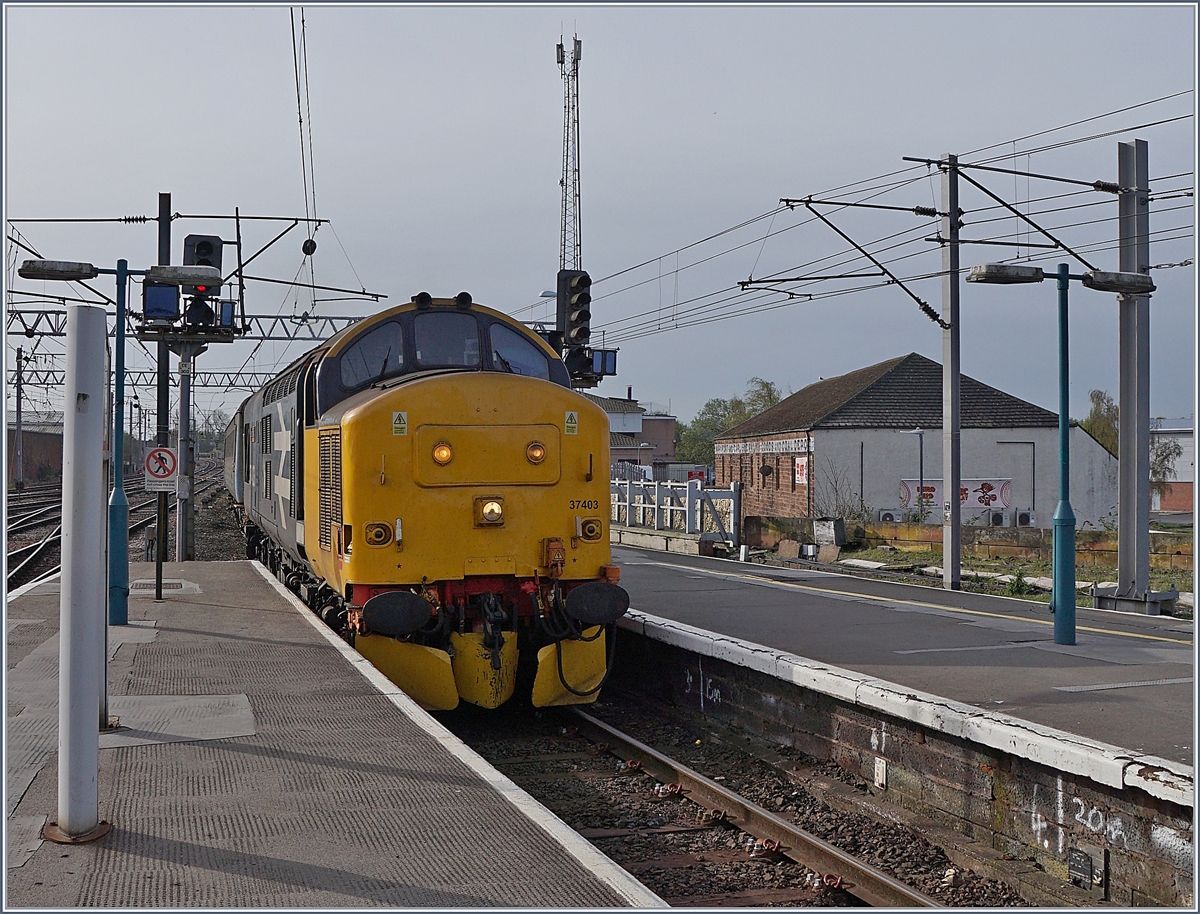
(569,250)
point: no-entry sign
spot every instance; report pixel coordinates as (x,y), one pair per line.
(162,470)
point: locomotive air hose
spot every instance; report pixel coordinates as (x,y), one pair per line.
(612,643)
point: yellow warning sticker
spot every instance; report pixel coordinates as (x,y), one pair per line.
(571,425)
(399,423)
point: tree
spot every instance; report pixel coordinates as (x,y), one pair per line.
(1103,421)
(1104,424)
(695,439)
(1163,453)
(835,495)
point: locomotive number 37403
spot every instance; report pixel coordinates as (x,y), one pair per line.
(586,504)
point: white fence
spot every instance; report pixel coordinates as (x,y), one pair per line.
(676,506)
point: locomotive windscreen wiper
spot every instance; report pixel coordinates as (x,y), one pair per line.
(503,361)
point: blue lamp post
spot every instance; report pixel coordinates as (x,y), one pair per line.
(118,505)
(1062,598)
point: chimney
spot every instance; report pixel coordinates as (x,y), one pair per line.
(629,392)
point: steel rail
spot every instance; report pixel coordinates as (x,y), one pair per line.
(860,879)
(36,549)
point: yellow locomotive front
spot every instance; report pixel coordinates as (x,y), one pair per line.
(460,502)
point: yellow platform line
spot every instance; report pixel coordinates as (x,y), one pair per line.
(768,582)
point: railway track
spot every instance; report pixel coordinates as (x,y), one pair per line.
(770,834)
(27,563)
(719,828)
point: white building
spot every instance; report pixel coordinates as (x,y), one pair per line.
(1178,494)
(854,434)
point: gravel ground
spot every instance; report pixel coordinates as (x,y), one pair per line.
(891,847)
(667,843)
(219,535)
(695,864)
(218,532)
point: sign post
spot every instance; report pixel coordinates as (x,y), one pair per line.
(161,475)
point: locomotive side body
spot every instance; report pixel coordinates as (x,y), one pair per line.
(434,488)
(235,457)
(272,440)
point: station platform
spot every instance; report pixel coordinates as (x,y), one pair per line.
(260,762)
(1128,681)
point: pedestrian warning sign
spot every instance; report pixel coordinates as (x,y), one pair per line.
(162,470)
(571,424)
(399,423)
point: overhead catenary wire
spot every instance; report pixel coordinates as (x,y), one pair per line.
(893,174)
(307,175)
(750,304)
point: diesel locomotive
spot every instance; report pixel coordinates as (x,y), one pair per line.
(430,484)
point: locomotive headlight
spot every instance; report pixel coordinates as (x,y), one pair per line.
(442,454)
(536,452)
(489,511)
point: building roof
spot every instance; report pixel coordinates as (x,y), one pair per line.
(38,421)
(615,405)
(904,392)
(620,439)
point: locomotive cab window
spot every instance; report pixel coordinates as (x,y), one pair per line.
(446,339)
(515,353)
(377,354)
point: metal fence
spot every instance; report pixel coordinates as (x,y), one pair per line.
(683,507)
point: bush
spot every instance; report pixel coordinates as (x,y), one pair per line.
(1018,586)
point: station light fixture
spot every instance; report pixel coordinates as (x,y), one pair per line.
(64,270)
(1124,283)
(1004,273)
(190,275)
(1099,280)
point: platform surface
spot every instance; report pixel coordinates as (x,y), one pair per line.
(1128,681)
(259,765)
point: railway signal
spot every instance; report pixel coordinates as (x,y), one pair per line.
(202,251)
(574,307)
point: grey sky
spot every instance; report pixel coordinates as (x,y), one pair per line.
(437,146)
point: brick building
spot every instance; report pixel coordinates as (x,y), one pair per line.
(846,444)
(1178,494)
(41,447)
(636,436)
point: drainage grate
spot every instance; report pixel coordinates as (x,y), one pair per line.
(149,585)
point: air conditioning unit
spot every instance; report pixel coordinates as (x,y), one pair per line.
(1024,518)
(1000,517)
(889,515)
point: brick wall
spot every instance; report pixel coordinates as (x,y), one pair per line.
(42,453)
(774,495)
(1177,497)
(1092,547)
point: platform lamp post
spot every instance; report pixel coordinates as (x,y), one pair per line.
(118,505)
(1062,598)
